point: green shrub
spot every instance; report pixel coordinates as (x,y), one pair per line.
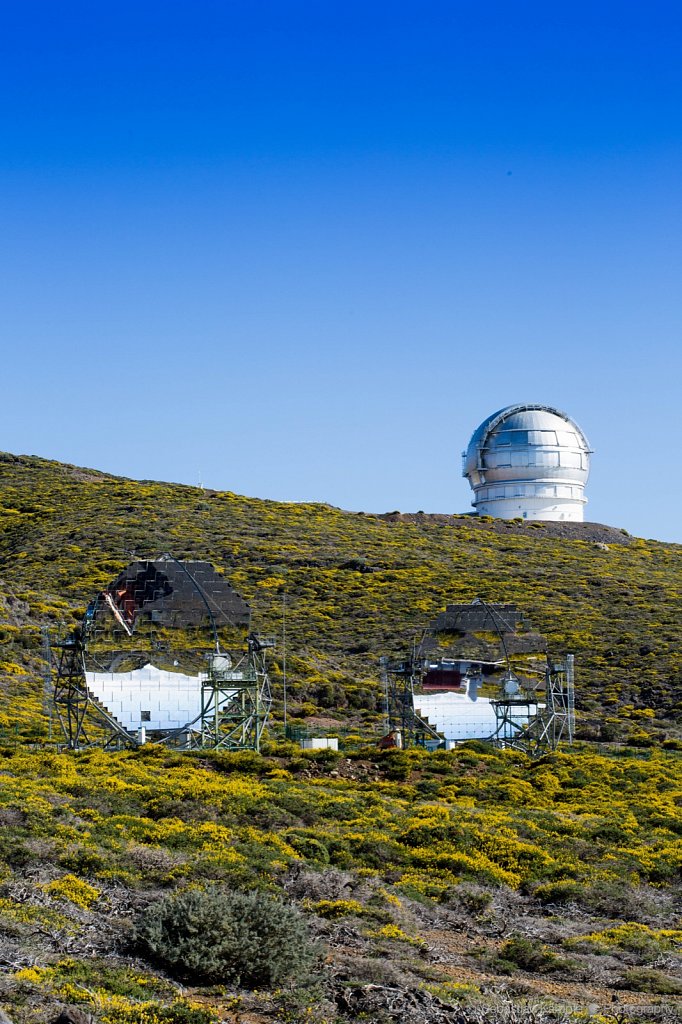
(324,756)
(478,747)
(84,861)
(114,979)
(339,908)
(471,899)
(239,938)
(562,891)
(397,766)
(615,899)
(309,848)
(528,954)
(641,979)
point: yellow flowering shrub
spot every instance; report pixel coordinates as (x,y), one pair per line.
(187,1011)
(73,889)
(338,908)
(630,936)
(32,914)
(396,934)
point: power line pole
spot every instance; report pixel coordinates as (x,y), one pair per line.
(284,656)
(47,680)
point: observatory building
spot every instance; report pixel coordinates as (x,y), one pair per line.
(529,462)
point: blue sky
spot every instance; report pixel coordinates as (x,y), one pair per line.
(299,250)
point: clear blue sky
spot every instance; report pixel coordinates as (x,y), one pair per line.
(299,249)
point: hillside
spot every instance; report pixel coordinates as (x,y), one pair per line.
(475,886)
(471,887)
(357,586)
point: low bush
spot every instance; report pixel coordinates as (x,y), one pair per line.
(240,938)
(339,908)
(633,937)
(562,891)
(642,979)
(610,898)
(180,1013)
(468,898)
(397,765)
(309,848)
(528,954)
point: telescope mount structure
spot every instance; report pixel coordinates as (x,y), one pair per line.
(164,654)
(435,695)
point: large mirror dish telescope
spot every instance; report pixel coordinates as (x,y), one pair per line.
(164,653)
(167,612)
(479,672)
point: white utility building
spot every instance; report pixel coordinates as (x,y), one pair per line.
(528,462)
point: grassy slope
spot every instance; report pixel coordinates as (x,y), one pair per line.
(477,878)
(430,863)
(357,585)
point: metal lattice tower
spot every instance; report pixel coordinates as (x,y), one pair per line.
(399,679)
(524,723)
(83,720)
(47,680)
(235,703)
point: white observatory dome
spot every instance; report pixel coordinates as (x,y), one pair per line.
(528,461)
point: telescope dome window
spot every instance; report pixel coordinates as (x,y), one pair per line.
(568,438)
(145,716)
(504,437)
(570,460)
(501,460)
(542,437)
(519,437)
(519,458)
